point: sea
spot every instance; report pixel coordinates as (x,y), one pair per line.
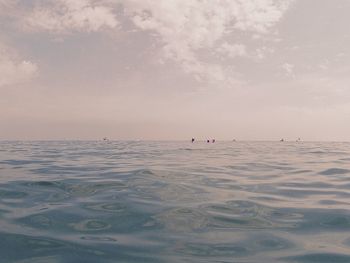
(146,201)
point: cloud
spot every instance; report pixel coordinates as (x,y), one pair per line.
(258,15)
(198,35)
(188,27)
(324,65)
(64,16)
(14,70)
(7,3)
(201,36)
(8,8)
(233,50)
(262,52)
(288,69)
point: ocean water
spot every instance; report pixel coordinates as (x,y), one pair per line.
(76,201)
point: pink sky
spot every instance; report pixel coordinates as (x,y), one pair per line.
(174,69)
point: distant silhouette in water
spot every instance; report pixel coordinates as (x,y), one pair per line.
(298,140)
(282,140)
(208,141)
(105,139)
(234,140)
(192,140)
(213,141)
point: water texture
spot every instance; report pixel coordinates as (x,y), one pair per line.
(77,201)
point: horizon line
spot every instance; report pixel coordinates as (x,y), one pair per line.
(167,140)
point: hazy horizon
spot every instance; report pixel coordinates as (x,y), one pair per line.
(250,70)
(197,141)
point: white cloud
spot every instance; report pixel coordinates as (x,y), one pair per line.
(8,8)
(62,16)
(187,27)
(288,69)
(14,70)
(324,65)
(233,50)
(195,34)
(262,52)
(258,15)
(6,3)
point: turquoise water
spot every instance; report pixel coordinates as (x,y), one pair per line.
(174,202)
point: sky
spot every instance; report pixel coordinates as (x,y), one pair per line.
(175,69)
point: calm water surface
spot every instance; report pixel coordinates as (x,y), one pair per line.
(174,202)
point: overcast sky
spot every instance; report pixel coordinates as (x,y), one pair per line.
(175,69)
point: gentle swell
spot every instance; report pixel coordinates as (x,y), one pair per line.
(174,202)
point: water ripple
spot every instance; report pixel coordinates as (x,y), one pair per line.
(75,201)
